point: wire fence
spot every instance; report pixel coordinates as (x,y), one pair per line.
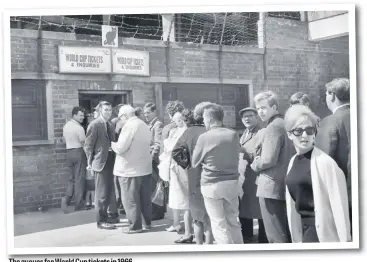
(233,29)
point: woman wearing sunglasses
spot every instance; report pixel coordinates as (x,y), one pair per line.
(316,191)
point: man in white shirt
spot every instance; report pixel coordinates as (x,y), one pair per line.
(133,166)
(74,136)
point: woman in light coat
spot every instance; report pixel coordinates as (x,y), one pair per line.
(316,191)
(178,199)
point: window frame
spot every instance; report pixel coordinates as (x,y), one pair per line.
(48,113)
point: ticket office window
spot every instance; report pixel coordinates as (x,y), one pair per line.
(232,97)
(29,113)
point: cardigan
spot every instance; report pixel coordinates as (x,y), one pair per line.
(330,200)
(217,151)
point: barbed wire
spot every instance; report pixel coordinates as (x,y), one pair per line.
(233,29)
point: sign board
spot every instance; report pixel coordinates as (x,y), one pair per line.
(110,36)
(130,62)
(229,119)
(84,60)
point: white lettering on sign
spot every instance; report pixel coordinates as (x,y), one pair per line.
(130,62)
(84,60)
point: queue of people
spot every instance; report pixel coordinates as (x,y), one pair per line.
(292,174)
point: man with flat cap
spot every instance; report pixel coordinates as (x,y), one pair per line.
(249,208)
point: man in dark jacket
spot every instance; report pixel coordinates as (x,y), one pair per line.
(272,162)
(100,159)
(334,133)
(155,126)
(249,203)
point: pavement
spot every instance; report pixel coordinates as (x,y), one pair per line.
(53,228)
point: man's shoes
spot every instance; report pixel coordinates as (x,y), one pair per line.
(133,231)
(147,227)
(64,205)
(107,226)
(82,208)
(113,220)
(185,240)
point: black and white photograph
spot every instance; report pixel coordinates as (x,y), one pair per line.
(181,130)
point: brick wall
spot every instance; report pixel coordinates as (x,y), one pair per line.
(295,64)
(291,63)
(40,173)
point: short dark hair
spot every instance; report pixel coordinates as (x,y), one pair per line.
(340,87)
(199,111)
(215,112)
(188,116)
(151,106)
(138,111)
(299,98)
(117,108)
(76,110)
(174,106)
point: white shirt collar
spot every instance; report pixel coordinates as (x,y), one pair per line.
(103,119)
(347,104)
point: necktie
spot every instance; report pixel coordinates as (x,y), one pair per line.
(247,134)
(108,131)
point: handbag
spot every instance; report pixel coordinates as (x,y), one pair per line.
(158,195)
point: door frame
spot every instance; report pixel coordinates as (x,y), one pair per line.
(109,92)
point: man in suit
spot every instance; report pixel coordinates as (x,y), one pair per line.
(249,203)
(334,133)
(155,126)
(271,164)
(100,159)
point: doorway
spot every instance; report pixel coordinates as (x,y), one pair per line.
(90,99)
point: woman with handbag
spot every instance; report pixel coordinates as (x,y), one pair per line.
(182,153)
(170,171)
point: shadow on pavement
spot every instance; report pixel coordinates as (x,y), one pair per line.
(32,222)
(51,219)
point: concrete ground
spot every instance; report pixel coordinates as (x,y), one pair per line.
(56,229)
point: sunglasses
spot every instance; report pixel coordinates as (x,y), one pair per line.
(299,131)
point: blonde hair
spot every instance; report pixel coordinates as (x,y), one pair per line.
(297,113)
(270,96)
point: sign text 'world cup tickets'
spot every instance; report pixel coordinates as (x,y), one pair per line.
(84,60)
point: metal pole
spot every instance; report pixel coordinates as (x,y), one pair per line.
(224,25)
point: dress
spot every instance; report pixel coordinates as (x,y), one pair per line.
(182,153)
(178,178)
